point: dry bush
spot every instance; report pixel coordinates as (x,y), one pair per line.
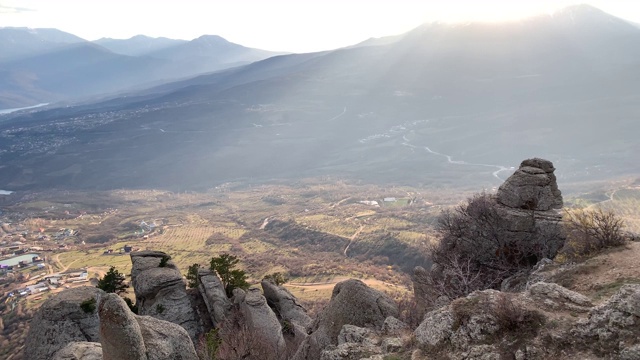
(478,249)
(409,311)
(591,231)
(514,318)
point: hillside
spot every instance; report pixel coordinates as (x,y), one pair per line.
(48,65)
(445,104)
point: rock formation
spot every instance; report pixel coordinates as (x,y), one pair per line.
(61,320)
(161,292)
(120,333)
(261,322)
(352,303)
(529,201)
(112,331)
(79,351)
(523,215)
(285,304)
(543,320)
(532,187)
(214,296)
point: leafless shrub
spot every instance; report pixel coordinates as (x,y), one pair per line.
(478,248)
(409,311)
(514,318)
(590,231)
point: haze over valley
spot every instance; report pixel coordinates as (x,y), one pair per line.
(380,199)
(423,107)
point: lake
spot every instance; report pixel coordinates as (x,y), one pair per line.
(6,192)
(15,260)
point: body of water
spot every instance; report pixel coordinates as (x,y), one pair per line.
(16,260)
(6,192)
(9,111)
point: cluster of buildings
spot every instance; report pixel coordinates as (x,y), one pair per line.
(52,282)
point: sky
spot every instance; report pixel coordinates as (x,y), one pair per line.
(278,25)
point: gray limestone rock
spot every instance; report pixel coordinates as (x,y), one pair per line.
(165,340)
(214,295)
(393,326)
(161,292)
(60,321)
(616,320)
(120,334)
(260,319)
(555,297)
(532,187)
(79,351)
(147,259)
(352,302)
(436,328)
(285,304)
(354,334)
(390,345)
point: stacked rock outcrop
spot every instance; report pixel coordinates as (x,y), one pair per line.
(525,218)
(161,292)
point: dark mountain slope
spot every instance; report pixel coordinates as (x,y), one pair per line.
(447,104)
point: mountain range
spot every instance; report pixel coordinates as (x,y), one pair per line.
(443,105)
(47,65)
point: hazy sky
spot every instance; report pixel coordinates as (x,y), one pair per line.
(287,25)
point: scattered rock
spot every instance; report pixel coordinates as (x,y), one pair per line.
(60,321)
(80,351)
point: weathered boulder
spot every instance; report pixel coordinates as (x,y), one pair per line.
(125,336)
(614,326)
(464,327)
(355,334)
(285,304)
(261,321)
(393,326)
(165,340)
(532,187)
(60,321)
(79,351)
(349,351)
(352,302)
(161,292)
(120,333)
(147,259)
(214,295)
(555,297)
